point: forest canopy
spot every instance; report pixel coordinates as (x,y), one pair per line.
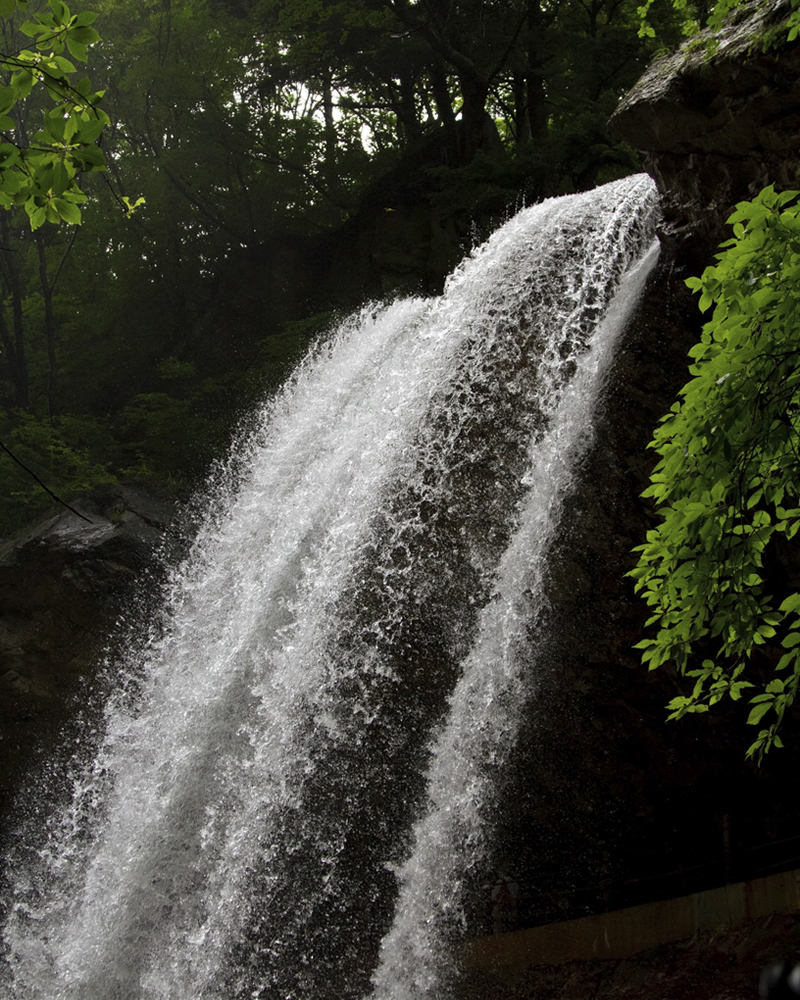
(251,133)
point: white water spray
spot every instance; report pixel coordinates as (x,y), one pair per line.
(346,653)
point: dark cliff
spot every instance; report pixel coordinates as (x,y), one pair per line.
(608,804)
(718,120)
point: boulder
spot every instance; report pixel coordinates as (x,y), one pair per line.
(64,581)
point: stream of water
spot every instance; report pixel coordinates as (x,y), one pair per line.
(293,804)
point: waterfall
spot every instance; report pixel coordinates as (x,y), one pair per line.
(292,791)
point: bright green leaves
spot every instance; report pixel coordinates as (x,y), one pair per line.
(717,14)
(131,206)
(42,174)
(727,484)
(59,29)
(689,24)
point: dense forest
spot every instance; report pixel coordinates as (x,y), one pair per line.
(256,131)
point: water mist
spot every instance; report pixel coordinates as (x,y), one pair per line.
(295,800)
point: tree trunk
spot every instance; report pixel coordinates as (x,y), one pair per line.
(478,131)
(522,123)
(443,101)
(407,110)
(536,94)
(49,326)
(17,356)
(330,126)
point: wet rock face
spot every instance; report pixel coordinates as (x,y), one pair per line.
(63,582)
(719,119)
(607,804)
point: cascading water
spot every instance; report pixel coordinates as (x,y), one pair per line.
(293,802)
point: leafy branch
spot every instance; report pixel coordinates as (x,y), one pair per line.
(717,16)
(727,485)
(43,175)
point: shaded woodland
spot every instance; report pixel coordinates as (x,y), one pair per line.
(267,137)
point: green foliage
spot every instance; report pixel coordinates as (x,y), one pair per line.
(689,22)
(43,173)
(726,484)
(242,133)
(691,14)
(724,8)
(68,453)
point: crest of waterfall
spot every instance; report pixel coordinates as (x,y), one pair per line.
(291,802)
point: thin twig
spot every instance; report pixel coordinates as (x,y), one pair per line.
(44,487)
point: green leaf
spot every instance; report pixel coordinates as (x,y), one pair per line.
(77,49)
(8,98)
(54,127)
(792,603)
(62,179)
(131,207)
(36,214)
(23,81)
(60,11)
(758,713)
(9,156)
(68,211)
(89,158)
(65,65)
(88,132)
(83,35)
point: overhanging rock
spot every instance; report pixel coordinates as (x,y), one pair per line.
(719,119)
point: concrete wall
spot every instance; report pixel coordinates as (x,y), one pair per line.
(623,933)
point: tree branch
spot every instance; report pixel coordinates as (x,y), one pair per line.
(47,489)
